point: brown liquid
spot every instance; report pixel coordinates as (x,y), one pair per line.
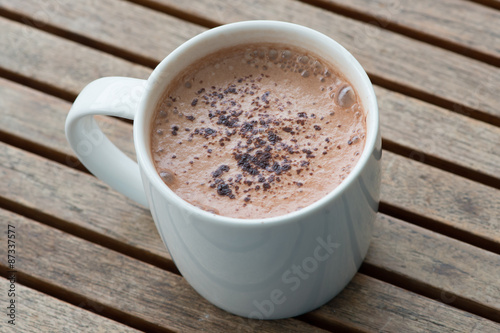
(257,131)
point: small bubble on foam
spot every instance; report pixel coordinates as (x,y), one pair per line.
(162,114)
(248,56)
(305,74)
(304,59)
(273,54)
(286,54)
(346,97)
(187,84)
(167,176)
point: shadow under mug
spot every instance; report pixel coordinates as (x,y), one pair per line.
(257,268)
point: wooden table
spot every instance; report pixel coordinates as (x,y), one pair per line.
(89,260)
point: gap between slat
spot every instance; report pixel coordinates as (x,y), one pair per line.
(405,31)
(438,227)
(392,278)
(82,302)
(37,85)
(127,319)
(441,164)
(430,291)
(89,235)
(47,27)
(165,264)
(176,13)
(386,208)
(435,100)
(495,4)
(388,84)
(321,322)
(43,151)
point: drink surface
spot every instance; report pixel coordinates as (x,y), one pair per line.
(257,131)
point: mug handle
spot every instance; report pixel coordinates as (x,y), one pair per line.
(111,96)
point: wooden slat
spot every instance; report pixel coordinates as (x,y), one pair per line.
(385,308)
(117,285)
(467,275)
(66,198)
(396,61)
(42,186)
(38,312)
(59,66)
(490,3)
(447,199)
(420,126)
(454,23)
(38,120)
(427,130)
(112,280)
(117,26)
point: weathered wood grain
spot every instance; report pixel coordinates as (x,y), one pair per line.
(67,199)
(466,275)
(117,26)
(412,66)
(111,280)
(427,130)
(42,186)
(60,66)
(420,126)
(38,312)
(457,24)
(35,120)
(490,3)
(447,199)
(443,77)
(386,308)
(425,262)
(417,188)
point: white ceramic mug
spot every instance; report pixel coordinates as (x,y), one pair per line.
(267,268)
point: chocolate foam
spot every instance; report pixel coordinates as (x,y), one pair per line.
(256,132)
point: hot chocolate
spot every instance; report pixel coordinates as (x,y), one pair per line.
(257,131)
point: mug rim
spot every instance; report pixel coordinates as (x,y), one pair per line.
(141,137)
